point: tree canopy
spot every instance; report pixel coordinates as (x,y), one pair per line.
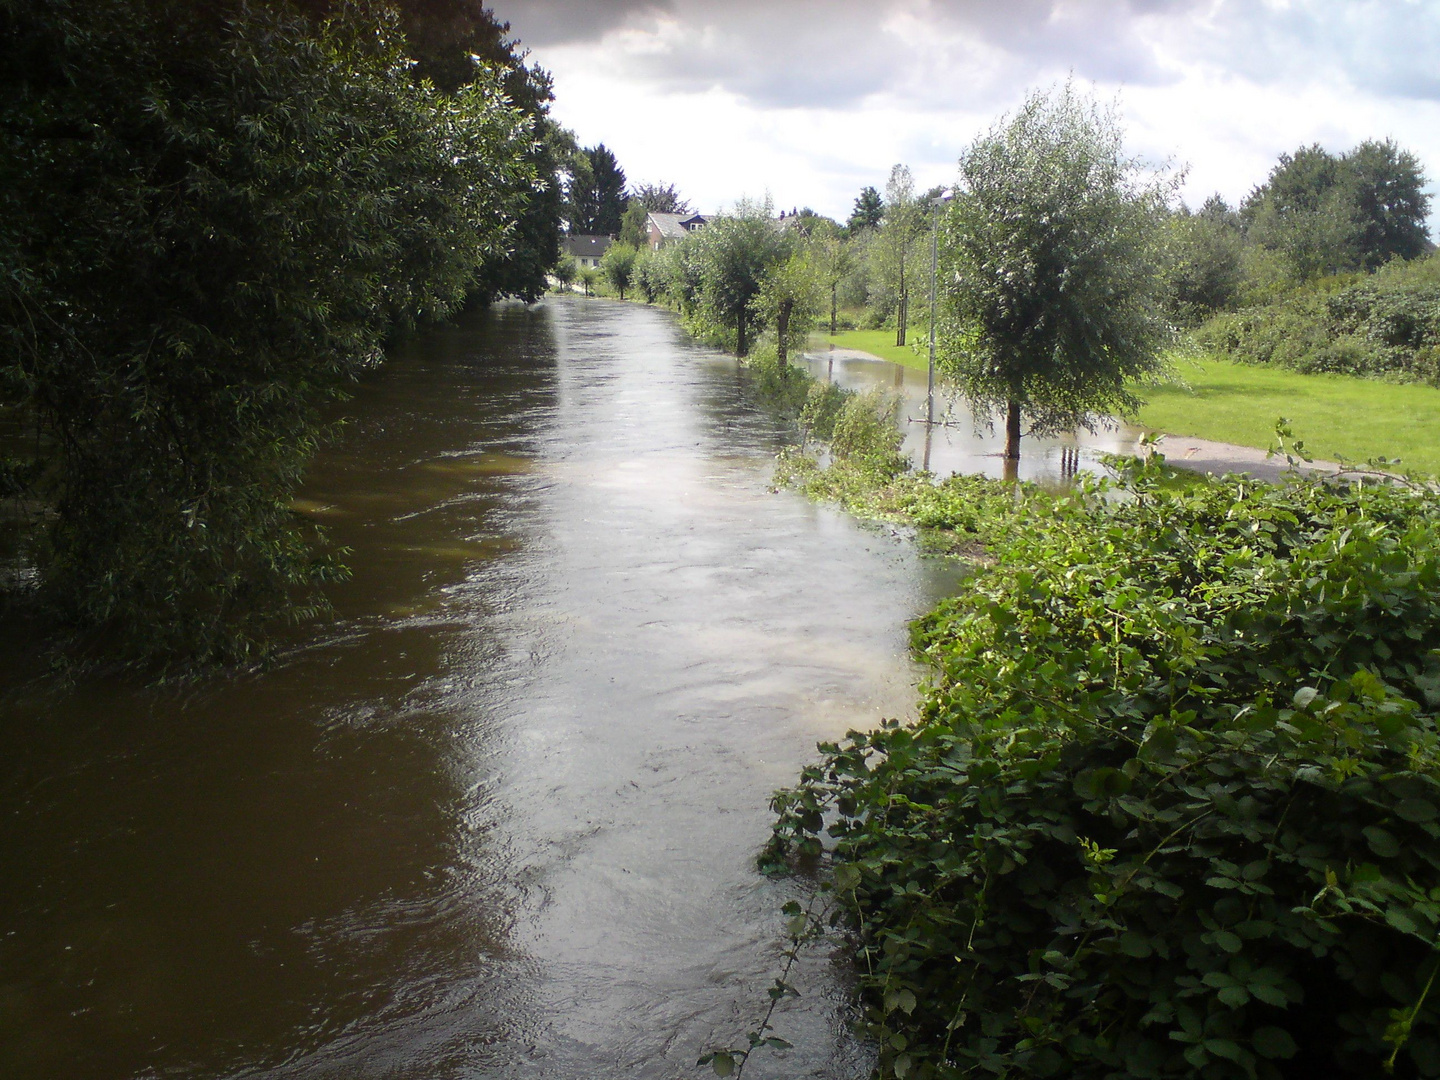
(722,268)
(1051,263)
(869,209)
(597,193)
(661,199)
(209,223)
(452,43)
(1325,213)
(618,266)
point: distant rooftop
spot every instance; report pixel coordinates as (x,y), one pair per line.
(587,246)
(675,226)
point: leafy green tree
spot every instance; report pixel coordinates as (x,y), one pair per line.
(589,278)
(868,212)
(648,277)
(1051,265)
(661,199)
(566,269)
(1326,214)
(1204,260)
(832,258)
(618,267)
(733,254)
(678,270)
(452,43)
(210,220)
(788,301)
(1388,187)
(894,248)
(632,225)
(1306,211)
(597,193)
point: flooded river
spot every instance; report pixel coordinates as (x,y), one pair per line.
(499,818)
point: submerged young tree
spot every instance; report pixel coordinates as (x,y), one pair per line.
(788,300)
(1053,294)
(894,249)
(732,255)
(618,266)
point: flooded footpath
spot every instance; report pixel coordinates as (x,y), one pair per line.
(499,818)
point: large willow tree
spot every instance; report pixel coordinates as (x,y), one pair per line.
(1051,270)
(210,218)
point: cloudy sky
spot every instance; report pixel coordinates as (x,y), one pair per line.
(812,99)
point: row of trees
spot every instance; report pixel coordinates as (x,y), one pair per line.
(211,218)
(1316,214)
(743,274)
(1065,267)
(1051,269)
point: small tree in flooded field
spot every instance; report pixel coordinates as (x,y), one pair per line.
(565,270)
(733,254)
(618,266)
(788,301)
(832,256)
(1051,265)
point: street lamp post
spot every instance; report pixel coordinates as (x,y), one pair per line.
(935,205)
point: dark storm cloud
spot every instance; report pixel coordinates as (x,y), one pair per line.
(832,53)
(789,53)
(568,22)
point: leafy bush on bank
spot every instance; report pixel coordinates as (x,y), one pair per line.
(212,219)
(1172,807)
(1386,324)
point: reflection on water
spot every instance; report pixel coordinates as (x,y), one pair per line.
(957,443)
(498,819)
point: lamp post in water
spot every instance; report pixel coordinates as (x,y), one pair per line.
(935,204)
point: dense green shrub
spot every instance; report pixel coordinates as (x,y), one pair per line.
(1172,807)
(209,223)
(1384,324)
(866,435)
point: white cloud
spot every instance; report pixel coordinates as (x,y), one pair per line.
(811,100)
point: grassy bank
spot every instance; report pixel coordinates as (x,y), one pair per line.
(879,343)
(1334,414)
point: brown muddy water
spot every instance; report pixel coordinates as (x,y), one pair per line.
(498,819)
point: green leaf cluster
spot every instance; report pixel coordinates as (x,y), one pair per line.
(1172,807)
(210,220)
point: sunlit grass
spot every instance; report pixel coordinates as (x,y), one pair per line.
(1335,415)
(879,343)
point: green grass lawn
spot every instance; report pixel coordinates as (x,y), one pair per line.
(880,343)
(1332,414)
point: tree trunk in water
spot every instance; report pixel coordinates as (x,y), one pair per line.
(833,290)
(1012,431)
(782,331)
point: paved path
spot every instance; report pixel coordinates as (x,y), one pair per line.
(1207,456)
